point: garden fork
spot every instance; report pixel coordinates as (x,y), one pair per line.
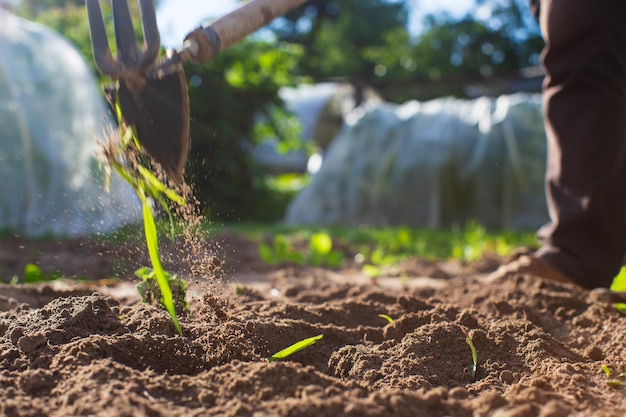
(155,105)
(153,96)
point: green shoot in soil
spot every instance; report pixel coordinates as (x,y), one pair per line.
(147,186)
(616,382)
(386,317)
(33,275)
(320,252)
(296,347)
(150,291)
(474,353)
(619,284)
(375,248)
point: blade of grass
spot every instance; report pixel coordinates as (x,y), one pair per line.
(154,183)
(146,185)
(386,317)
(153,250)
(296,347)
(470,343)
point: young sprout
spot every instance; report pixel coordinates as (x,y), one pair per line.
(150,291)
(474,353)
(147,186)
(296,347)
(386,317)
(613,382)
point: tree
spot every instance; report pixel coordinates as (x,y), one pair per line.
(71,21)
(514,19)
(33,8)
(369,41)
(336,33)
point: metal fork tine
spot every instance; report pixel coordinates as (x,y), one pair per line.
(99,42)
(127,51)
(152,39)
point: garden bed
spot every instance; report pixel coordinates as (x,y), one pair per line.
(69,348)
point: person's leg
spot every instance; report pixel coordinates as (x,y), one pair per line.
(585,118)
(585,110)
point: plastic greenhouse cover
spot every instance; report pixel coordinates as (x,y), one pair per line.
(433,164)
(51,119)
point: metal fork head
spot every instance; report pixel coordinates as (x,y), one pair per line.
(130,59)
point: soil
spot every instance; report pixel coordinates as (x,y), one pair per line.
(72,348)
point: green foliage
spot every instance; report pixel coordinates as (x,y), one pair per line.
(388,246)
(339,34)
(471,243)
(614,382)
(296,347)
(71,21)
(69,18)
(147,186)
(470,343)
(280,251)
(619,282)
(619,285)
(319,251)
(368,41)
(150,290)
(34,8)
(375,247)
(33,274)
(227,98)
(386,317)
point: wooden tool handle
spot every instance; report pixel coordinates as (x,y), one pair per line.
(205,43)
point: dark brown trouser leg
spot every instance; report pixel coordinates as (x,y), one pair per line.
(585,109)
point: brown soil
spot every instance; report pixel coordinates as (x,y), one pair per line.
(92,349)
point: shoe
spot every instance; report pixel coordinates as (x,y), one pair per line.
(529,264)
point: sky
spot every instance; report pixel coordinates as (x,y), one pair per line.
(176,18)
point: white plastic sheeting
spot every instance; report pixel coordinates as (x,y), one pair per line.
(321,109)
(433,164)
(51,117)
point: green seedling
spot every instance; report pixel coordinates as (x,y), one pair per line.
(320,252)
(280,251)
(615,382)
(619,285)
(386,246)
(619,282)
(33,275)
(150,291)
(386,317)
(296,347)
(472,242)
(474,353)
(148,187)
(372,271)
